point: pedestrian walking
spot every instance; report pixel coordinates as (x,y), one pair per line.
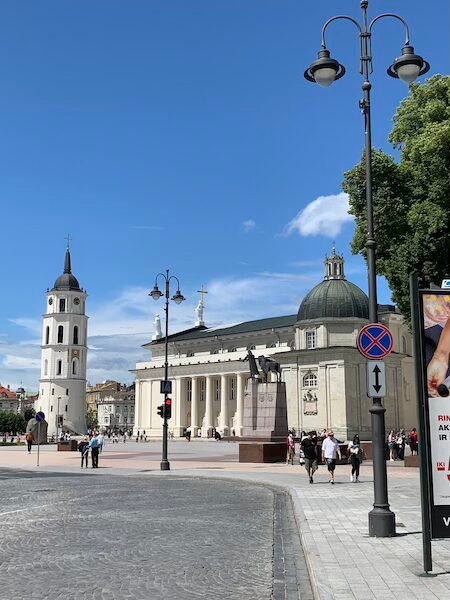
(355,456)
(94,447)
(310,454)
(330,450)
(83,448)
(30,440)
(100,439)
(290,448)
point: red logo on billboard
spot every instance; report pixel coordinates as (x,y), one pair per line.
(441,466)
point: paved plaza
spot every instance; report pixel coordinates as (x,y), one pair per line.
(134,537)
(243,510)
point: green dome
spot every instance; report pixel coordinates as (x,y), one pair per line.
(335,299)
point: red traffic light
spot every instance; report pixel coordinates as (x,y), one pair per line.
(168,408)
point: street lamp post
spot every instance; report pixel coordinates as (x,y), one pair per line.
(177,298)
(324,71)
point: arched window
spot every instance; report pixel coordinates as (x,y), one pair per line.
(74,367)
(75,334)
(60,334)
(310,380)
(45,368)
(47,335)
(59,367)
(62,305)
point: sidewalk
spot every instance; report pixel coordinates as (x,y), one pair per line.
(343,561)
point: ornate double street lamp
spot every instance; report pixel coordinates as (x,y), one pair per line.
(178,298)
(324,71)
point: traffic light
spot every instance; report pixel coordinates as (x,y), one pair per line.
(168,408)
(160,411)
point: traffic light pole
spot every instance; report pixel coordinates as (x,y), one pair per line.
(165,464)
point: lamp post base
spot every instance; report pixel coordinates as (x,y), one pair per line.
(165,465)
(381,522)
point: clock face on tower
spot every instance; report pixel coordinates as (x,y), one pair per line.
(76,301)
(50,301)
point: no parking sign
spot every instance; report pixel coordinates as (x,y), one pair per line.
(375,341)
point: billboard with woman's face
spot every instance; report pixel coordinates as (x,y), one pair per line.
(436,354)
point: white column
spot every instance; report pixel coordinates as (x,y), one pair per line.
(224,390)
(194,405)
(207,429)
(180,402)
(241,378)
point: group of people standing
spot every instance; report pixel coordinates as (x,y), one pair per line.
(397,442)
(325,449)
(94,443)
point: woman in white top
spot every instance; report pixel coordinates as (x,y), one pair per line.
(355,454)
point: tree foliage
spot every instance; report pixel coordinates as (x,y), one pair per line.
(12,423)
(91,419)
(411,198)
(29,414)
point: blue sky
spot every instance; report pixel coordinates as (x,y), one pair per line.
(180,134)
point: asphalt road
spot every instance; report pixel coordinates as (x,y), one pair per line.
(105,537)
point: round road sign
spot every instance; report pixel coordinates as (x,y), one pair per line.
(40,416)
(375,341)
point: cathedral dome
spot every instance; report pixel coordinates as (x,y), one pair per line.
(335,297)
(67,281)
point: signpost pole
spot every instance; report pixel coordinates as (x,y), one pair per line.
(39,442)
(375,343)
(423,437)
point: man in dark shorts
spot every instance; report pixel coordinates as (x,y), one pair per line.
(330,449)
(309,447)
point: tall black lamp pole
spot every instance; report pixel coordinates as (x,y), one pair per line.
(324,71)
(177,298)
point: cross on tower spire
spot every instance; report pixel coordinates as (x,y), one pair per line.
(202,292)
(68,238)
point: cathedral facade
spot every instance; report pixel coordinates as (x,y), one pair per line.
(324,373)
(62,389)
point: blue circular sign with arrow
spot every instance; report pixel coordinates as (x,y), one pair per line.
(40,417)
(375,341)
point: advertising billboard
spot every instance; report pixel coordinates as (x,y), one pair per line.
(436,366)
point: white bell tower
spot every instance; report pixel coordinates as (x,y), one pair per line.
(62,393)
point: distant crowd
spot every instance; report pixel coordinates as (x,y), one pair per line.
(315,449)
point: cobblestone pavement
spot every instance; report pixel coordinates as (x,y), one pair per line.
(133,537)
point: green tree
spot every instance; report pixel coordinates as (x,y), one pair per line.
(410,197)
(91,419)
(29,414)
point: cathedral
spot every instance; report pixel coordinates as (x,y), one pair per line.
(62,391)
(324,373)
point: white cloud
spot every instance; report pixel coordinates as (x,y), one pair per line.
(326,215)
(248,225)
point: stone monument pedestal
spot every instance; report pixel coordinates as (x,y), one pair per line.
(265,423)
